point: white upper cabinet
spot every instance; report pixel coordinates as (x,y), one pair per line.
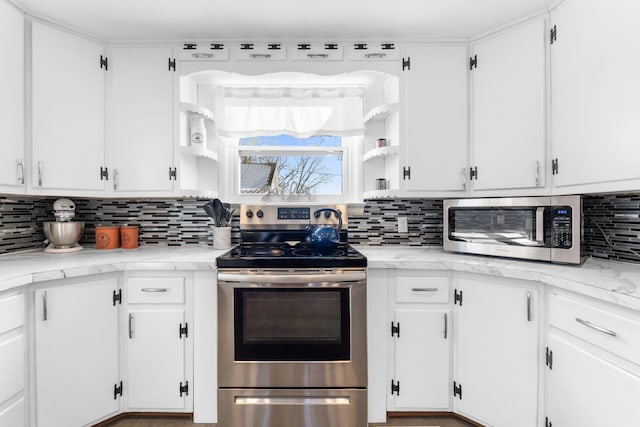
(12,166)
(508,108)
(595,93)
(433,101)
(67,82)
(141,141)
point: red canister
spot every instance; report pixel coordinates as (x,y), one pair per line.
(107,237)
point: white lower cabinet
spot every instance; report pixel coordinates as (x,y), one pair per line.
(12,361)
(76,352)
(496,351)
(420,345)
(593,364)
(158,344)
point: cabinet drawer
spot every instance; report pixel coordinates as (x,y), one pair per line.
(598,325)
(156,290)
(11,313)
(422,289)
(11,367)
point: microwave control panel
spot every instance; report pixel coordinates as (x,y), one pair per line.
(561,227)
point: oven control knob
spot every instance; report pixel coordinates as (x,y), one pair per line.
(259,213)
(249,213)
(327,214)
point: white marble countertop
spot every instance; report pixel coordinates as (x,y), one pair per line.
(610,281)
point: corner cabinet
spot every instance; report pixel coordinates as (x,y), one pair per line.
(593,363)
(67,113)
(12,88)
(420,349)
(76,352)
(496,332)
(433,91)
(141,138)
(508,106)
(159,333)
(595,94)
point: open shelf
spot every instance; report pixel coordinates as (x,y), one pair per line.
(381,112)
(381,194)
(196,109)
(381,152)
(199,151)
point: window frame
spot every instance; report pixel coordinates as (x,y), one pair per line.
(352,171)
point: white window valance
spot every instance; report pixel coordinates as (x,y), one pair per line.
(301,112)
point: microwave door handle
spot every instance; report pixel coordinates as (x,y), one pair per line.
(540,225)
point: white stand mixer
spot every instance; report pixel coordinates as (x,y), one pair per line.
(63,234)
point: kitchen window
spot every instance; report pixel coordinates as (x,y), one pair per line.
(287,165)
(292,143)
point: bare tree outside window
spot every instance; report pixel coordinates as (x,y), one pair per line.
(299,174)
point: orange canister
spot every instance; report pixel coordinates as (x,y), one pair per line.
(107,237)
(129,236)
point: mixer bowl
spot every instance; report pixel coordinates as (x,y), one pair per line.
(63,234)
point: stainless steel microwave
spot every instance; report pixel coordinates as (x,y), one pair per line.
(534,228)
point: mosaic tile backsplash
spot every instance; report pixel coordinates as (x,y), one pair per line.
(178,222)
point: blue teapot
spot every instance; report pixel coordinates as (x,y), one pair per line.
(325,236)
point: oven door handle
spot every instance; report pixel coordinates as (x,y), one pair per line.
(300,277)
(289,401)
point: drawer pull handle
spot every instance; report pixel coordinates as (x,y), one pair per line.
(596,327)
(154,289)
(424,289)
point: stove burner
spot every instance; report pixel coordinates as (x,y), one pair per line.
(318,253)
(270,252)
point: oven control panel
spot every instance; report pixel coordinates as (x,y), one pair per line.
(265,216)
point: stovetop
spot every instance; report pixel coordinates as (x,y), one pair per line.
(283,255)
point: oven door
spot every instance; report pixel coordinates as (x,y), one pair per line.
(286,328)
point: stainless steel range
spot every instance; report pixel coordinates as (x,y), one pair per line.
(292,324)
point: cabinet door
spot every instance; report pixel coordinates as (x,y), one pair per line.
(508,109)
(142,111)
(496,353)
(12,99)
(156,359)
(434,107)
(587,391)
(595,95)
(422,360)
(76,348)
(67,111)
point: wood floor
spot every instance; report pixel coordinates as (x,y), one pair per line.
(164,421)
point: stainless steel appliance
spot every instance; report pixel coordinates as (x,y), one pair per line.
(536,228)
(291,324)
